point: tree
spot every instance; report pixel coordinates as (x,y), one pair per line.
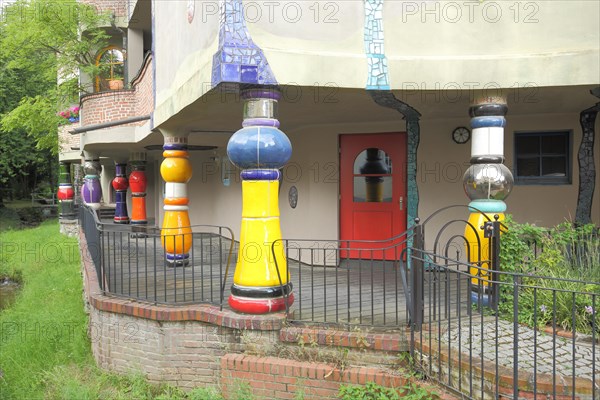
(42,52)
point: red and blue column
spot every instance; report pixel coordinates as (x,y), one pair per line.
(138,185)
(261,283)
(120,184)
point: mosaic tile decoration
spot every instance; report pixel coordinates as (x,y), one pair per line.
(238,59)
(587,168)
(378,78)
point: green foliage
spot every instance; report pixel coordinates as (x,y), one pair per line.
(46,326)
(242,391)
(45,351)
(564,276)
(41,43)
(37,116)
(373,391)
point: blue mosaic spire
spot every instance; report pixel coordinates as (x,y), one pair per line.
(378,78)
(238,59)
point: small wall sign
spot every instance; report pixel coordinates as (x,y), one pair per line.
(293,197)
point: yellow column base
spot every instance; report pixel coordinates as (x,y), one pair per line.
(176,235)
(477,220)
(260,228)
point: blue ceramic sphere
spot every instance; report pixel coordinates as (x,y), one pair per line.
(259,147)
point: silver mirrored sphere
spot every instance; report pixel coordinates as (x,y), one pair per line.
(488,181)
(92,167)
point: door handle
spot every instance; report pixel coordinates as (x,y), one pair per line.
(401,203)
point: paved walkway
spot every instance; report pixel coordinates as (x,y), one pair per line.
(537,351)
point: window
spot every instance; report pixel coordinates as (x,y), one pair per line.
(543,157)
(372,177)
(110,61)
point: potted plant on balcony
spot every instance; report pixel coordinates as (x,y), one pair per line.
(115,83)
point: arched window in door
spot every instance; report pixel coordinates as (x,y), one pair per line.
(111,63)
(372,176)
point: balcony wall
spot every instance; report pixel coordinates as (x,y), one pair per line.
(117,105)
(69,145)
(119,8)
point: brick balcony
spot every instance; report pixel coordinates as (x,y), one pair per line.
(116,7)
(117,105)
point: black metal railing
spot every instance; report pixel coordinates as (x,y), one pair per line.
(477,330)
(543,335)
(131,262)
(487,333)
(348,282)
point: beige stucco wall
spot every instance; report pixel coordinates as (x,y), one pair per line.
(544,205)
(435,42)
(428,45)
(184,53)
(313,169)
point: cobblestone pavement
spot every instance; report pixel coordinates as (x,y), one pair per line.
(538,351)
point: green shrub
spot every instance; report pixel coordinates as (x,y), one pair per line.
(373,391)
(563,276)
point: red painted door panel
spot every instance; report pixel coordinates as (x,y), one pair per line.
(373,193)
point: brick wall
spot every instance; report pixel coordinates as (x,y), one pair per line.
(184,354)
(276,378)
(120,104)
(118,8)
(143,85)
(200,345)
(65,140)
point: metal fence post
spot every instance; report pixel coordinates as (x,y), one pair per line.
(417,278)
(495,262)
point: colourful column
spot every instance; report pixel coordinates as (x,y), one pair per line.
(65,191)
(176,170)
(487,182)
(260,284)
(138,184)
(120,184)
(91,191)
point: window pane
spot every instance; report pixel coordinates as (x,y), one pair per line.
(117,56)
(373,161)
(554,166)
(528,167)
(554,144)
(118,71)
(106,58)
(372,189)
(527,144)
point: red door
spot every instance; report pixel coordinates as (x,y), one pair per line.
(373,193)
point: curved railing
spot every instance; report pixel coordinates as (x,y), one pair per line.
(131,262)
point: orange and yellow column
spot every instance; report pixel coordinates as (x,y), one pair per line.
(176,170)
(261,283)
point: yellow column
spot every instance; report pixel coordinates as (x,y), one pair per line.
(261,282)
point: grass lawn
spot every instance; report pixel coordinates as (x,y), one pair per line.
(44,348)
